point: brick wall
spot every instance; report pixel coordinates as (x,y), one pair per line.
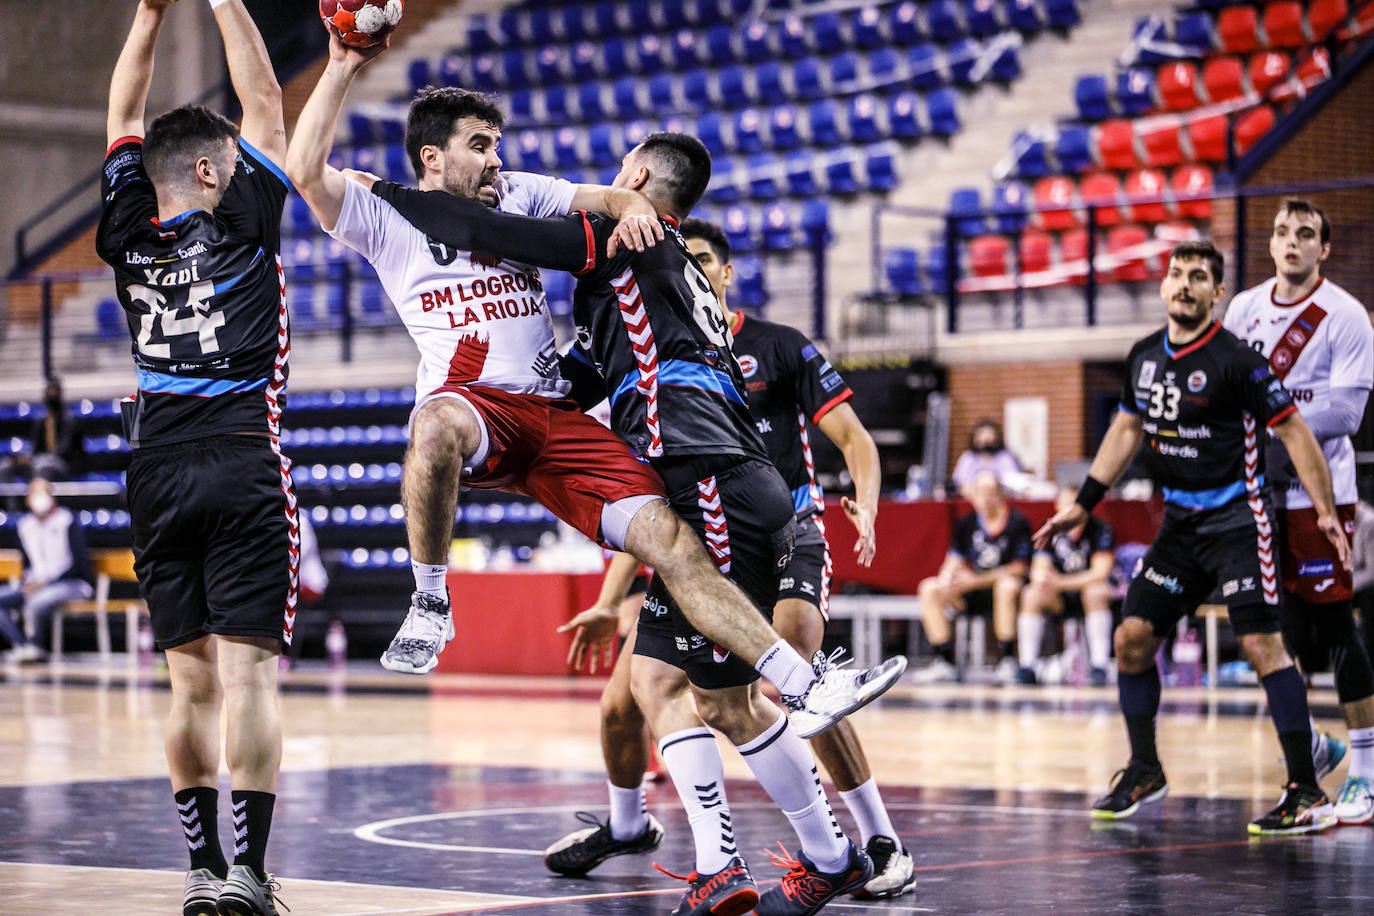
(980,390)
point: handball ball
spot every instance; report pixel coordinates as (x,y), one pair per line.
(361,23)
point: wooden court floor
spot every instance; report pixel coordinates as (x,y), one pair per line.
(437,795)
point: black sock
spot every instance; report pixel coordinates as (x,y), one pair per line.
(1139,694)
(1288,707)
(252,823)
(945,650)
(197,808)
(1007,648)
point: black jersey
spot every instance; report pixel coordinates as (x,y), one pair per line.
(1071,556)
(1203,408)
(789,384)
(983,551)
(204,298)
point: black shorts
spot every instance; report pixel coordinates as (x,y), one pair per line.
(807,576)
(743,512)
(215,538)
(1230,549)
(977,602)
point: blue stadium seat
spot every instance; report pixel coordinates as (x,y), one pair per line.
(571,18)
(880,166)
(300,219)
(615,57)
(565,152)
(865,24)
(361,128)
(806,78)
(962,57)
(902,118)
(1032,159)
(938,270)
(711,132)
(1062,14)
(650,54)
(735,222)
(520,104)
(479,35)
(606,18)
(764,172)
(755,39)
(844,72)
(584,61)
(982,18)
(675,15)
(732,87)
(942,112)
(686,51)
(531,147)
(883,65)
(801,177)
(822,120)
(451,70)
(541,25)
(1010,202)
(396,163)
(641,15)
(725,181)
(792,37)
(749,131)
(768,79)
(815,220)
(514,70)
(508,27)
(720,48)
(110,323)
(483,76)
(556,104)
(902,268)
(1090,94)
(1024,15)
(839,173)
(589,104)
(419,75)
(602,145)
(634,132)
(827,36)
(863,118)
(696,88)
(966,206)
(1195,32)
(364,158)
(625,94)
(558,287)
(1006,65)
(944,20)
(925,65)
(662,92)
(1073,149)
(748,289)
(904,23)
(605,175)
(1148,33)
(1135,91)
(779,234)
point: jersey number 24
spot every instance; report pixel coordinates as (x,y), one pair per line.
(170,321)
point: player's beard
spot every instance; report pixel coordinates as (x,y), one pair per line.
(479,187)
(1190,314)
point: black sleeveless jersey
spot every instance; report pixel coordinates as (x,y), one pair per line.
(1204,408)
(204,298)
(651,326)
(789,384)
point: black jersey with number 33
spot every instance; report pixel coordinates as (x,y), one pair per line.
(204,299)
(1204,408)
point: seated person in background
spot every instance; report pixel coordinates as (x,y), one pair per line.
(1069,578)
(986,452)
(58,451)
(983,572)
(57,569)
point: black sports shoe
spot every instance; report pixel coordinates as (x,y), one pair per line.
(729,892)
(894,871)
(1132,787)
(582,850)
(805,888)
(1301,809)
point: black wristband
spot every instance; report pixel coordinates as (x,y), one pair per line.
(1091,493)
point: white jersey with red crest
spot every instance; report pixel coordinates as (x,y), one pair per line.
(1322,341)
(476,319)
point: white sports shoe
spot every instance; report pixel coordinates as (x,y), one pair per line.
(1355,802)
(427,629)
(245,895)
(202,892)
(894,871)
(837,692)
(937,672)
(1006,671)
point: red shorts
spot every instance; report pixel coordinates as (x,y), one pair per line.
(552,452)
(1311,569)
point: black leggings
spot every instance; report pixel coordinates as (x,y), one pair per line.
(1322,635)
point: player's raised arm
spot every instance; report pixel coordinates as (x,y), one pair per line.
(133,72)
(637,223)
(1310,464)
(307,156)
(1113,457)
(255,83)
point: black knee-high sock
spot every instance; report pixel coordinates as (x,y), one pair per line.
(1288,708)
(1139,694)
(252,823)
(1006,648)
(197,808)
(945,650)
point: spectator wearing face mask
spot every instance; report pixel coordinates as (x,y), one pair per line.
(56,570)
(986,452)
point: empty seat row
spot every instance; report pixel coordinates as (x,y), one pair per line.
(767,176)
(776,227)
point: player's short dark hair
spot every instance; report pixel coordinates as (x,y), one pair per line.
(434,113)
(175,141)
(711,234)
(1216,262)
(682,163)
(1305,208)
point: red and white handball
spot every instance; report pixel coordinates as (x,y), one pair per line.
(361,23)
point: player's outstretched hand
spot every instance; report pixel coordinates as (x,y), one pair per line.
(366,179)
(863,518)
(593,633)
(1330,526)
(355,58)
(1063,520)
(635,232)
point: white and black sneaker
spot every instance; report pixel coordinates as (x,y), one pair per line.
(427,629)
(582,850)
(837,691)
(894,871)
(244,894)
(202,893)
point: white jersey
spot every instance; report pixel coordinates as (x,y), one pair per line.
(477,320)
(1321,342)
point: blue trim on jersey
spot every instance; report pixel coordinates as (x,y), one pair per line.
(266,163)
(161,383)
(1207,499)
(682,374)
(233,281)
(176,219)
(801,498)
(581,358)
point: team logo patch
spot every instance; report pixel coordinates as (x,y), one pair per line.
(1314,568)
(1282,359)
(711,355)
(1147,374)
(748,365)
(1297,337)
(1197,381)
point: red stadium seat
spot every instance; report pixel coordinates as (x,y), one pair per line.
(1238,29)
(1224,78)
(1116,145)
(1136,268)
(1283,23)
(1207,136)
(1102,189)
(1251,126)
(1363,24)
(1178,87)
(1325,15)
(1053,197)
(987,255)
(1073,246)
(1163,144)
(1267,69)
(1188,183)
(1147,186)
(1035,252)
(1313,69)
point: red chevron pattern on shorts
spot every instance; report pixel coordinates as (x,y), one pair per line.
(713,513)
(273,394)
(636,319)
(1264,530)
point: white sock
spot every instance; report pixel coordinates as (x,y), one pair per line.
(693,762)
(1030,633)
(782,667)
(1099,627)
(430,579)
(783,765)
(629,816)
(866,804)
(1362,752)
